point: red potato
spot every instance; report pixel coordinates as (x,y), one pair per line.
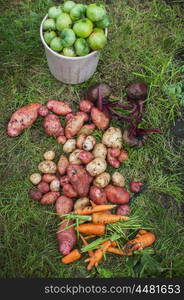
(99,118)
(35,194)
(64,180)
(116,194)
(43,187)
(86,157)
(48,178)
(112,160)
(69,116)
(87,129)
(90,178)
(43,111)
(123,156)
(52,126)
(114,152)
(49,198)
(97,195)
(75,124)
(79,179)
(64,205)
(80,140)
(61,139)
(59,107)
(123,210)
(66,238)
(23,118)
(135,186)
(69,191)
(86,105)
(62,165)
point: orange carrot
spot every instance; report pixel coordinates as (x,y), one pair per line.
(72,256)
(98,255)
(90,209)
(118,251)
(88,237)
(90,252)
(105,218)
(90,228)
(142,240)
(114,244)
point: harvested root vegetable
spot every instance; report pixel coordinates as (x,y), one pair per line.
(79,179)
(98,255)
(137,91)
(123,210)
(88,210)
(23,118)
(43,187)
(69,191)
(142,240)
(100,150)
(99,118)
(116,194)
(112,138)
(59,107)
(55,185)
(81,203)
(61,139)
(118,179)
(118,251)
(62,164)
(96,166)
(69,146)
(47,167)
(102,180)
(49,155)
(86,157)
(85,105)
(66,237)
(89,143)
(123,156)
(75,124)
(71,257)
(87,129)
(74,157)
(64,180)
(135,186)
(114,152)
(49,198)
(112,160)
(97,195)
(131,140)
(93,91)
(80,140)
(69,116)
(43,111)
(35,178)
(48,177)
(52,126)
(35,194)
(90,228)
(64,205)
(106,218)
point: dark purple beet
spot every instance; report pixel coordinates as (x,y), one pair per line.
(137,91)
(92,93)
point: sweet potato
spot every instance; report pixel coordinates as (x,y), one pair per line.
(62,164)
(69,191)
(23,118)
(61,139)
(75,124)
(99,118)
(64,205)
(52,126)
(87,129)
(97,195)
(43,187)
(86,157)
(123,210)
(49,198)
(35,194)
(80,140)
(79,178)
(43,111)
(48,177)
(67,238)
(59,107)
(112,160)
(64,179)
(116,194)
(86,105)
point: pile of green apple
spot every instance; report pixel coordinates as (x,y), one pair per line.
(76,29)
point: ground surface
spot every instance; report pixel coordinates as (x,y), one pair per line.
(142,42)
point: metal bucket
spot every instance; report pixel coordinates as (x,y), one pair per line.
(71,70)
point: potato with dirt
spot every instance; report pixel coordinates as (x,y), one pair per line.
(112,138)
(64,205)
(112,160)
(89,143)
(48,177)
(49,198)
(61,139)
(85,105)
(69,191)
(47,167)
(79,179)
(23,118)
(35,178)
(97,195)
(64,179)
(62,164)
(116,194)
(102,180)
(123,210)
(49,155)
(55,185)
(35,194)
(75,124)
(81,203)
(74,157)
(100,150)
(99,118)
(123,156)
(86,157)
(80,140)
(87,129)
(43,187)
(118,179)
(59,107)
(69,146)
(66,238)
(52,126)
(96,166)
(43,111)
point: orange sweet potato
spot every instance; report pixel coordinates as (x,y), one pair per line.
(23,118)
(99,118)
(59,107)
(52,126)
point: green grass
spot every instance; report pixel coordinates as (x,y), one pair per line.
(143,38)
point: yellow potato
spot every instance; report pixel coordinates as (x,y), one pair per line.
(112,138)
(49,155)
(81,203)
(100,150)
(47,166)
(118,179)
(102,180)
(69,146)
(35,178)
(96,166)
(73,158)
